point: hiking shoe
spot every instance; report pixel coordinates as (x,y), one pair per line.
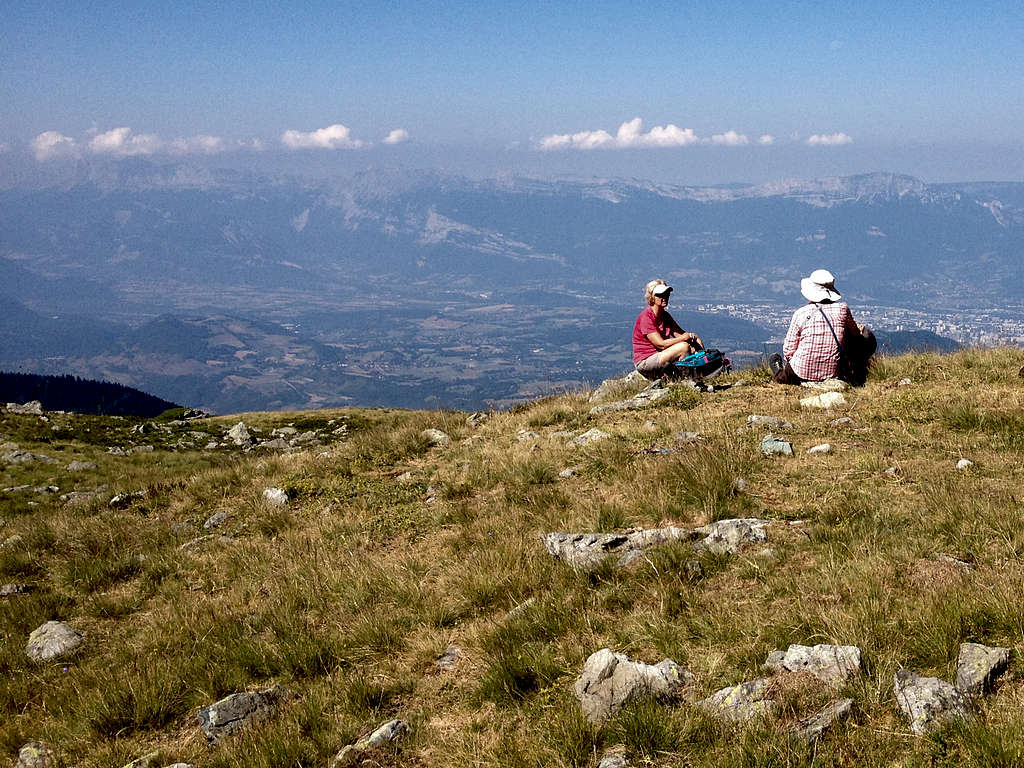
(775,363)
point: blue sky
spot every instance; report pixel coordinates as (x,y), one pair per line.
(725,91)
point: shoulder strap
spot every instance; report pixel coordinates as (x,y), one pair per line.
(829,324)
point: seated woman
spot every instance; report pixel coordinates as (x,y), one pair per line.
(658,341)
(818,332)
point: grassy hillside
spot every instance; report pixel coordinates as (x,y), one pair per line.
(392,550)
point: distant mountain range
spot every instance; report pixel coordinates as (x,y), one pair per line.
(430,289)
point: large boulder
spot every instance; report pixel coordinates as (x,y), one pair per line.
(610,679)
(978,665)
(586,550)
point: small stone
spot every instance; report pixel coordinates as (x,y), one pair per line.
(771,445)
(568,472)
(590,436)
(238,711)
(476,419)
(822,448)
(7,590)
(831,664)
(842,421)
(739,703)
(891,471)
(927,702)
(756,420)
(31,408)
(277,444)
(12,542)
(739,484)
(978,665)
(447,659)
(27,457)
(80,466)
(610,679)
(215,520)
(827,385)
(527,435)
(613,760)
(276,496)
(239,434)
(727,537)
(35,754)
(685,438)
(905,382)
(385,734)
(436,437)
(810,729)
(825,401)
(52,640)
(964,464)
(405,477)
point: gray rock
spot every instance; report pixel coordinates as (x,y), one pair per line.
(685,438)
(405,477)
(964,464)
(742,702)
(116,450)
(726,537)
(568,472)
(527,435)
(904,382)
(52,640)
(277,444)
(276,497)
(385,734)
(238,711)
(611,679)
(31,408)
(140,449)
(590,436)
(927,702)
(822,448)
(12,542)
(239,434)
(306,438)
(35,754)
(650,396)
(824,401)
(832,664)
(7,590)
(756,420)
(613,760)
(810,729)
(27,457)
(284,432)
(842,421)
(827,385)
(215,520)
(618,387)
(774,446)
(447,659)
(978,665)
(476,419)
(586,550)
(892,471)
(436,437)
(80,466)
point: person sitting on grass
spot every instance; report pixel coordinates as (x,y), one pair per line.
(658,340)
(820,333)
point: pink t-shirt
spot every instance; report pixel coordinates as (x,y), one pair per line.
(645,324)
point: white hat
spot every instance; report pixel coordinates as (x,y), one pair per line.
(820,286)
(661,289)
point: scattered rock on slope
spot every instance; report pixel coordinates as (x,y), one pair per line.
(741,702)
(385,734)
(238,711)
(611,679)
(832,664)
(52,640)
(927,702)
(977,666)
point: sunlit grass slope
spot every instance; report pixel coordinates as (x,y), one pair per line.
(391,550)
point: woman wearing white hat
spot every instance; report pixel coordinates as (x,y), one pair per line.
(658,340)
(823,341)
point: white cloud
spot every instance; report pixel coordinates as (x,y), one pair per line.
(829,140)
(730,139)
(197,145)
(397,136)
(332,137)
(630,134)
(766,140)
(123,143)
(51,144)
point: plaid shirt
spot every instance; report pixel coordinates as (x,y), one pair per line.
(809,347)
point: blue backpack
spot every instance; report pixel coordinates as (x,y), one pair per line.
(705,364)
